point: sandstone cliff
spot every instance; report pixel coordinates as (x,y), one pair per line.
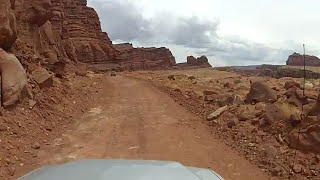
(52,33)
(296,59)
(67,30)
(79,28)
(61,30)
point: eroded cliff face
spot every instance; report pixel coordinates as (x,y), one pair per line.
(80,29)
(52,33)
(62,30)
(67,30)
(144,58)
(297,59)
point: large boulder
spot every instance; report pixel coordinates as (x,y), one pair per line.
(14,79)
(308,140)
(260,92)
(292,84)
(273,114)
(8,30)
(296,97)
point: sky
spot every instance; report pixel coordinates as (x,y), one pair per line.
(228,32)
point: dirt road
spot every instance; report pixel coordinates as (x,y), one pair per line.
(134,120)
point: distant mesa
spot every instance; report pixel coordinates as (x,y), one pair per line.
(203,60)
(142,58)
(297,59)
(192,62)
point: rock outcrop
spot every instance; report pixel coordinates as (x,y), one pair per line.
(144,58)
(80,30)
(277,71)
(297,59)
(201,61)
(192,62)
(53,31)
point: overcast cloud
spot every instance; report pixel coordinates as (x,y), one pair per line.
(190,28)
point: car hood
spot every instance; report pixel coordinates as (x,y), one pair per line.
(121,170)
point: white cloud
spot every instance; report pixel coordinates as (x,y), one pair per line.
(229,33)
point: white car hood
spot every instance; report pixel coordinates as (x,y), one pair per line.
(121,170)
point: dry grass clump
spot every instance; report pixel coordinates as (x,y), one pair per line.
(288,110)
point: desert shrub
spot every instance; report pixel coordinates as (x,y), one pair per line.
(237,81)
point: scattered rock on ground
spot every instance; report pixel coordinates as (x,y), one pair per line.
(296,97)
(291,84)
(217,113)
(273,114)
(171,77)
(43,77)
(297,168)
(231,124)
(32,103)
(271,152)
(36,145)
(211,95)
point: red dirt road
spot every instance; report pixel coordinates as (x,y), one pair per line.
(134,120)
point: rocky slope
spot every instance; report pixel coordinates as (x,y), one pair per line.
(297,59)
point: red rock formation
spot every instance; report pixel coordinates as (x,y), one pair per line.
(297,59)
(52,33)
(55,31)
(144,58)
(201,61)
(80,29)
(192,62)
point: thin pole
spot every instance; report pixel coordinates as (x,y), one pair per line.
(302,107)
(304,69)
